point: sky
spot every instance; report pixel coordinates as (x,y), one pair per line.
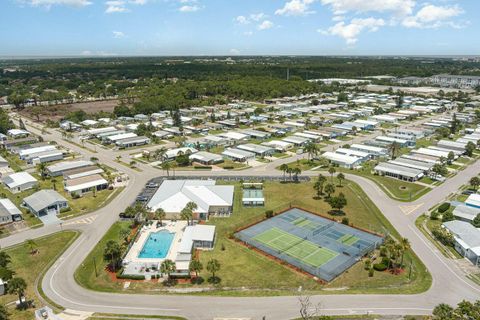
(238,27)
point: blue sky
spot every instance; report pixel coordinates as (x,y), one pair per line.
(239,27)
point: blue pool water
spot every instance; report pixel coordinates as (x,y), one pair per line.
(157,245)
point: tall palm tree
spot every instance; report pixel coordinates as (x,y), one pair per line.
(296,172)
(167,267)
(394,148)
(17,286)
(284,168)
(42,167)
(124,233)
(332,171)
(186,214)
(166,166)
(112,253)
(31,244)
(311,149)
(290,171)
(340,178)
(160,215)
(195,266)
(213,266)
(405,247)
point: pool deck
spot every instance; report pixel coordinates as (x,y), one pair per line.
(135,265)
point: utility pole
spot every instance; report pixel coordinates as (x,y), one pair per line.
(95,266)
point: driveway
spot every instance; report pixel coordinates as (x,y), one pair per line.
(50,219)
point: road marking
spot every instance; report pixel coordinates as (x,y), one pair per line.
(409,209)
(87,220)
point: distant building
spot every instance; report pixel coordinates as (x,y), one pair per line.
(458,81)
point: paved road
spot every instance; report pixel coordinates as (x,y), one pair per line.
(449,283)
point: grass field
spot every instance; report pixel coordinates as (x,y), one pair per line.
(31,267)
(246,272)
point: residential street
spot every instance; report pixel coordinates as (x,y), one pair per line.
(449,283)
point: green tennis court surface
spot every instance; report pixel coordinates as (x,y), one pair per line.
(348,239)
(296,247)
(305,223)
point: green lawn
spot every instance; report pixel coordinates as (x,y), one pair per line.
(304,164)
(245,268)
(112,316)
(425,221)
(31,267)
(394,188)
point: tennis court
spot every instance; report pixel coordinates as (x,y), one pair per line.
(296,247)
(319,246)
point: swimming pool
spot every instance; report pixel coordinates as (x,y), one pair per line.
(157,245)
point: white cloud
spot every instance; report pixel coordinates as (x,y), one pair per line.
(257,16)
(265,25)
(242,20)
(352,30)
(139,2)
(296,8)
(234,51)
(398,7)
(115,6)
(189,8)
(431,16)
(254,17)
(118,34)
(49,3)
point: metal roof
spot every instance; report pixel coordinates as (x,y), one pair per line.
(43,199)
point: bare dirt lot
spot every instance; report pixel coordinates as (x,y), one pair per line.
(57,112)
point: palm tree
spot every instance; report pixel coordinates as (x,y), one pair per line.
(284,168)
(290,171)
(354,130)
(173,166)
(42,167)
(394,148)
(320,183)
(54,183)
(31,244)
(112,253)
(329,189)
(160,215)
(17,286)
(124,233)
(340,178)
(195,266)
(167,267)
(405,247)
(213,266)
(332,171)
(166,166)
(193,207)
(311,149)
(296,172)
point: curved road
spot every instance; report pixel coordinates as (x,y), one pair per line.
(449,283)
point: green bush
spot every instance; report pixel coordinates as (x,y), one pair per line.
(203,167)
(370,272)
(444,207)
(379,267)
(65,209)
(228,167)
(130,276)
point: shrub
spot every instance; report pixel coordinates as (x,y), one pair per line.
(444,207)
(268,214)
(130,276)
(65,209)
(370,272)
(203,167)
(434,215)
(448,216)
(368,264)
(379,267)
(345,221)
(228,167)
